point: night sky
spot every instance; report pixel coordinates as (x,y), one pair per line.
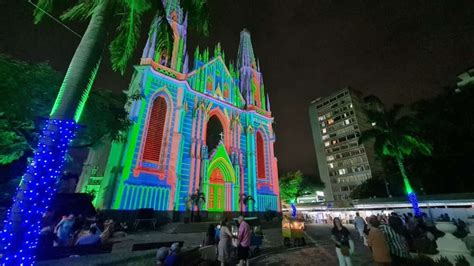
(401,51)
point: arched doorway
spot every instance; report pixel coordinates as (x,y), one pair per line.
(219,184)
(214,133)
(216,198)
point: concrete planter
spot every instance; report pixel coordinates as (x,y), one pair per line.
(471,226)
(449,245)
(446,227)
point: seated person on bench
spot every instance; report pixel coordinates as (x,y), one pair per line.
(92,238)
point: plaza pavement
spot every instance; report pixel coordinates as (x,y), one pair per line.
(122,254)
(320,250)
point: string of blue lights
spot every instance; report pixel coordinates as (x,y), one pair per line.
(20,235)
(414,202)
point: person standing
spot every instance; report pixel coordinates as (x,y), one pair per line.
(341,237)
(378,243)
(225,244)
(243,240)
(396,243)
(359,224)
(210,235)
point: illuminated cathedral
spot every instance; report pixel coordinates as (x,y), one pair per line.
(205,127)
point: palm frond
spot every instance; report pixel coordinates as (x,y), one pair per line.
(164,37)
(418,144)
(389,150)
(40,8)
(198,15)
(80,11)
(123,46)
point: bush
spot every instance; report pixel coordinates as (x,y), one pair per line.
(443,261)
(461,261)
(421,261)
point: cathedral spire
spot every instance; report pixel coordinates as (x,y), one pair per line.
(245,56)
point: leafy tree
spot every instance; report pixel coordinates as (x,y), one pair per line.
(104,15)
(296,184)
(29,90)
(71,100)
(397,136)
(447,122)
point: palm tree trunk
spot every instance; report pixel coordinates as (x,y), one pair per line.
(38,185)
(409,190)
(83,67)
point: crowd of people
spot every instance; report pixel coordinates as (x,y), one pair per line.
(230,247)
(71,230)
(390,238)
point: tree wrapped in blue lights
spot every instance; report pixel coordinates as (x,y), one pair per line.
(19,237)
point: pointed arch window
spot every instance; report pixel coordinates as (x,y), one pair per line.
(226,91)
(261,173)
(155,131)
(209,83)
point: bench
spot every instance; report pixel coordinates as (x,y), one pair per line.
(51,253)
(145,215)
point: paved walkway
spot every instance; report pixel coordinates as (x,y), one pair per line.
(122,249)
(321,251)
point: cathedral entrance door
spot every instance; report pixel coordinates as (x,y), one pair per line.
(216,196)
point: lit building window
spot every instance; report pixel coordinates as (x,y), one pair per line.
(324,130)
(326,144)
(331,165)
(330,121)
(330,158)
(325,137)
(342,171)
(347,121)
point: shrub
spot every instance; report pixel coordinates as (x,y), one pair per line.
(461,261)
(443,261)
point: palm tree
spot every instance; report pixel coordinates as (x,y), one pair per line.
(396,137)
(20,235)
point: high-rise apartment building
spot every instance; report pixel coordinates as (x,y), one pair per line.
(337,122)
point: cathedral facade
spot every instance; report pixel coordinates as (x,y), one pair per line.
(205,128)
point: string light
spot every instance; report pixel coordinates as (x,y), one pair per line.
(22,226)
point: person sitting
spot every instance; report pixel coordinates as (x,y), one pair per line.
(47,237)
(161,255)
(64,230)
(173,256)
(109,226)
(91,239)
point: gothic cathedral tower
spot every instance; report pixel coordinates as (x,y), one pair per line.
(205,129)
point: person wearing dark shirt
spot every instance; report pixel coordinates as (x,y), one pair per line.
(341,237)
